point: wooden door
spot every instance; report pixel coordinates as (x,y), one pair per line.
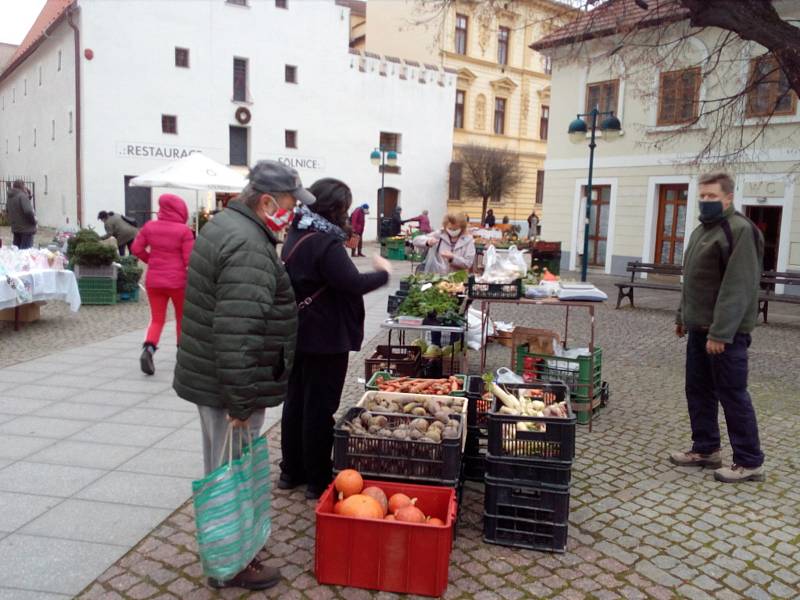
(768,220)
(598,224)
(671,228)
(386,204)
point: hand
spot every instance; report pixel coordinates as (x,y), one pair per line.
(679,330)
(236,422)
(432,242)
(381,264)
(715,347)
(446,254)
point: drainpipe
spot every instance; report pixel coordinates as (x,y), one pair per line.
(78,174)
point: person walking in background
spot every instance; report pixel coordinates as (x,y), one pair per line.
(718,310)
(121,228)
(240,326)
(21,215)
(423,221)
(506,220)
(489,219)
(533,225)
(329,290)
(165,245)
(358,221)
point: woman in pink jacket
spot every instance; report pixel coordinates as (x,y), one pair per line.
(165,245)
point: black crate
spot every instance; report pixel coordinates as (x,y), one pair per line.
(393,303)
(474,468)
(477,441)
(525,516)
(477,407)
(494,291)
(529,471)
(405,285)
(556,440)
(379,458)
(397,360)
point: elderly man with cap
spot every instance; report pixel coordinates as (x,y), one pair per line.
(239,325)
(358,220)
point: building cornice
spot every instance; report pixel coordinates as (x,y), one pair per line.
(452,59)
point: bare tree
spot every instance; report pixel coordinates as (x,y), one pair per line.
(489,172)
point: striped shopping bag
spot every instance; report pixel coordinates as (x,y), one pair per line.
(231,506)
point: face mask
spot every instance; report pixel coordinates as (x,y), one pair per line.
(710,211)
(453,232)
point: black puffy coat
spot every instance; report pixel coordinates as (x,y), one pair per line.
(240,318)
(334,322)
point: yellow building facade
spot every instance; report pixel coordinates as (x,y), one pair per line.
(503,92)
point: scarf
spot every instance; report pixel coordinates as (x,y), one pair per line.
(311,220)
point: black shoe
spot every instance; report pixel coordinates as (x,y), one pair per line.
(254,577)
(313,492)
(146,359)
(288,483)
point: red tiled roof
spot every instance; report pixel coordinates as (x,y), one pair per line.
(357,7)
(52,11)
(614,16)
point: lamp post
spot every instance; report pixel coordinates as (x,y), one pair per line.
(578,129)
(381,157)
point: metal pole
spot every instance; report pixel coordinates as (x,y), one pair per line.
(383,176)
(592,145)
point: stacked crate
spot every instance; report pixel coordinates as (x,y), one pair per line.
(528,473)
(97,285)
(477,429)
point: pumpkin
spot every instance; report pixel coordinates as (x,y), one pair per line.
(398,501)
(349,482)
(410,514)
(435,521)
(362,507)
(378,494)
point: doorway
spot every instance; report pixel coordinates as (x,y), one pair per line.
(138,203)
(671,226)
(598,224)
(391,198)
(768,221)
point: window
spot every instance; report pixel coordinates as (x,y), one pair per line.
(290,137)
(390,141)
(290,74)
(502,45)
(169,124)
(459,120)
(45,185)
(182,57)
(238,2)
(25,87)
(19,143)
(544,122)
(461,34)
(547,65)
(13,95)
(499,116)
(70,122)
(59,60)
(771,92)
(34,137)
(238,146)
(671,223)
(281,4)
(539,187)
(240,79)
(53,129)
(679,92)
(456,169)
(497,196)
(602,96)
(40,76)
(6,145)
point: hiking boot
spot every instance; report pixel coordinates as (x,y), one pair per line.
(255,576)
(146,359)
(736,473)
(695,459)
(285,482)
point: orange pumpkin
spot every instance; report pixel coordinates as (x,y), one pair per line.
(349,482)
(410,514)
(435,521)
(362,507)
(398,501)
(378,494)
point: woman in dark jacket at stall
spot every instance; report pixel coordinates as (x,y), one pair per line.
(329,292)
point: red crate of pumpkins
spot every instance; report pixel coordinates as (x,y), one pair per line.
(396,538)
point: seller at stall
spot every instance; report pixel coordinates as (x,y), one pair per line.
(121,228)
(329,290)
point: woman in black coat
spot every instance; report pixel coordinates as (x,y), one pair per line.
(329,291)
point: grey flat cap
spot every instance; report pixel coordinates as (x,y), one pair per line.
(271,176)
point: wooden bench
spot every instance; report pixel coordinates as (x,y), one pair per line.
(636,268)
(769,280)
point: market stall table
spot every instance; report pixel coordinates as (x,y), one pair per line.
(40,285)
(392,325)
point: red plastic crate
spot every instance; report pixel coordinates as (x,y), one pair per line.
(390,556)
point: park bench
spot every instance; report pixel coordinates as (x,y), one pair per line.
(769,280)
(636,268)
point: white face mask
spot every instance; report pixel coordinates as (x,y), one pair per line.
(453,232)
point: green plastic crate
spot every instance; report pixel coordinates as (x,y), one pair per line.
(578,379)
(396,253)
(394,244)
(600,401)
(97,290)
(128,296)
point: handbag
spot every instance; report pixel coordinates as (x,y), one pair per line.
(352,241)
(232,508)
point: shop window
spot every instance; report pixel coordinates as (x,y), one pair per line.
(544,122)
(169,124)
(678,98)
(238,146)
(240,79)
(290,137)
(502,45)
(182,57)
(459,116)
(770,92)
(290,74)
(461,34)
(456,171)
(499,116)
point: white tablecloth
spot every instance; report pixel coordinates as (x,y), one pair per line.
(44,285)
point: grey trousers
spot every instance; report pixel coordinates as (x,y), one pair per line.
(214,425)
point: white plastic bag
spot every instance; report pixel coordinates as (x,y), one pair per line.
(503,268)
(474,317)
(506,375)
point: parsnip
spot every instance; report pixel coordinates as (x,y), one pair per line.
(506,398)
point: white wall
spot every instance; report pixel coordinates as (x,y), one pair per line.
(337,110)
(21,113)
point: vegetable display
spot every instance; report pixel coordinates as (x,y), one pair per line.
(408,385)
(421,429)
(420,303)
(439,408)
(531,403)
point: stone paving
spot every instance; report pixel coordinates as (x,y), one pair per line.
(639,527)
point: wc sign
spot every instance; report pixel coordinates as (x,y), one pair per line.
(764,189)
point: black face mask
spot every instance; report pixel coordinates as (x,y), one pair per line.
(710,211)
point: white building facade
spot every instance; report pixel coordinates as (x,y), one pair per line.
(237,80)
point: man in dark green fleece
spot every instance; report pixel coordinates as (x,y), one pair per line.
(719,307)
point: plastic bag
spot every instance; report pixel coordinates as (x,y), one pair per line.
(474,338)
(506,375)
(503,268)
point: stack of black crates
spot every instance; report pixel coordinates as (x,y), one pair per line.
(477,430)
(528,473)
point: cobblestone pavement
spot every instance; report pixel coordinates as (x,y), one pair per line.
(639,528)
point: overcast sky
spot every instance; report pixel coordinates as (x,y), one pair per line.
(16,17)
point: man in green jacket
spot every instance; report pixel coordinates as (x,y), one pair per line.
(719,307)
(239,325)
(120,227)
(21,215)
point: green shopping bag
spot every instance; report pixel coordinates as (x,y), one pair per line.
(231,507)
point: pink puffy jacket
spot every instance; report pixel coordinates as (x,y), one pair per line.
(165,244)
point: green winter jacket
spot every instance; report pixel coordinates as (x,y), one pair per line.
(721,278)
(240,318)
(119,229)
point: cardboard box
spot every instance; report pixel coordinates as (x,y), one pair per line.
(28,313)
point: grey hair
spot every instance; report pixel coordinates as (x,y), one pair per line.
(724,180)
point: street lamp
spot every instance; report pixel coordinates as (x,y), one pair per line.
(611,128)
(382,157)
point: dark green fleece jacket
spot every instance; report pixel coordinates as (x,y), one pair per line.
(720,283)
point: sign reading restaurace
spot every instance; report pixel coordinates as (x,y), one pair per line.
(142,150)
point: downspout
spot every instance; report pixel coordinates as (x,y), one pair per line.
(78,174)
